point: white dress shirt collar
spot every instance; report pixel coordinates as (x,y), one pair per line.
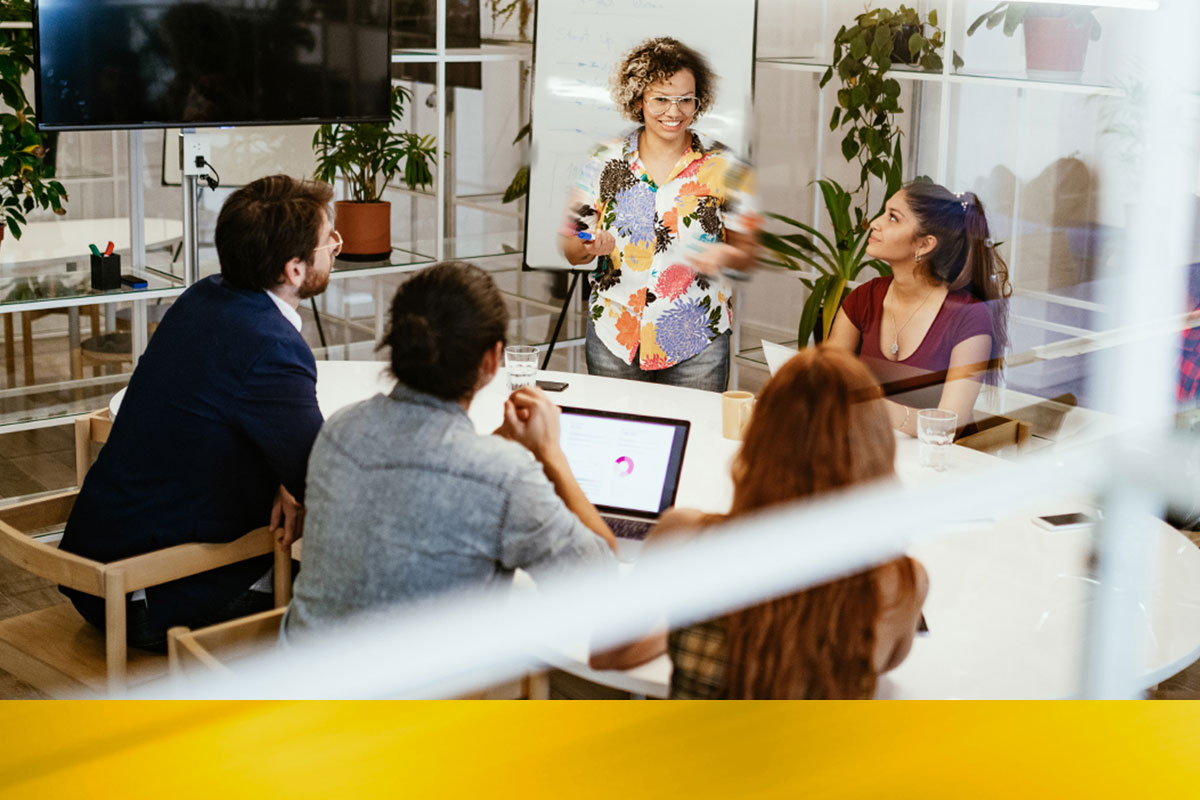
(289,313)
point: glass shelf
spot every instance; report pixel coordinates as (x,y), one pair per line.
(87,174)
(516,51)
(814,64)
(43,405)
(1053,81)
(423,251)
(58,285)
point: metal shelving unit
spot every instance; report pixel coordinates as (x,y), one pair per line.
(935,100)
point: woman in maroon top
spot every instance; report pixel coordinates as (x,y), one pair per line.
(930,332)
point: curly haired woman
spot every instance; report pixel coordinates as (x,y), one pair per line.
(667,215)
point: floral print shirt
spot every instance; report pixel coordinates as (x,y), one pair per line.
(645,300)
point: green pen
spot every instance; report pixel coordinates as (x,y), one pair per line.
(95,250)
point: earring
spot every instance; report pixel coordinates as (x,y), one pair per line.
(918,258)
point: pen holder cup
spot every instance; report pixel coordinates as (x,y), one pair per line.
(106,272)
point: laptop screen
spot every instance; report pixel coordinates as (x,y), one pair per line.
(625,463)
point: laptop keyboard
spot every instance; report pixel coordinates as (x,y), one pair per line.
(624,528)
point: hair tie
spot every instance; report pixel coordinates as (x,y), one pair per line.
(988,242)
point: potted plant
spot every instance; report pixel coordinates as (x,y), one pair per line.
(868,100)
(1056,34)
(867,104)
(838,260)
(26,179)
(368,156)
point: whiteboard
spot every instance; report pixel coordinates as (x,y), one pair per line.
(246,153)
(576,46)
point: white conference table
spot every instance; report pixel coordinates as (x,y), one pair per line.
(1007,601)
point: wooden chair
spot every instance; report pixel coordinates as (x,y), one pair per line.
(10,351)
(208,650)
(54,649)
(112,349)
(211,650)
(89,429)
(109,349)
(27,320)
(996,433)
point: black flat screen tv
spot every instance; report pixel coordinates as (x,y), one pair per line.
(107,64)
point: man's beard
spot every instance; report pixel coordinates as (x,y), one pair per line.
(313,284)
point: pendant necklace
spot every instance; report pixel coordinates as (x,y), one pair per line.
(896,338)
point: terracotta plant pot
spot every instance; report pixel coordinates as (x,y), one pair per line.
(366,230)
(1054,44)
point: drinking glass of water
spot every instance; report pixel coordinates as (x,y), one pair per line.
(935,430)
(520,362)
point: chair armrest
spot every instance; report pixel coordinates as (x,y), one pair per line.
(87,575)
(40,513)
(180,561)
(50,563)
(39,558)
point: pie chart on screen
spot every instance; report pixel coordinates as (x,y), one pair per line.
(623,466)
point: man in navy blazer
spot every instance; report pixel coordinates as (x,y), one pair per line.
(213,435)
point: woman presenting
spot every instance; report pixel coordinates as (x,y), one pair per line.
(668,217)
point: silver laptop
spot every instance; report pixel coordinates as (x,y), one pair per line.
(628,465)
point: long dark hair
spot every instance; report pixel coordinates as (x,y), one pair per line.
(964,257)
(819,425)
(443,320)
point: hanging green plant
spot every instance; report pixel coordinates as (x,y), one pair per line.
(868,104)
(869,99)
(26,180)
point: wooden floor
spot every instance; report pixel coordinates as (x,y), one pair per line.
(21,593)
(37,461)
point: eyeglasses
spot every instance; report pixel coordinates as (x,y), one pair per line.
(336,246)
(659,104)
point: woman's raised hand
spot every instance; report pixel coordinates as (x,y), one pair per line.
(601,244)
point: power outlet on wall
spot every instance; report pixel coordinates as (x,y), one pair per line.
(194,153)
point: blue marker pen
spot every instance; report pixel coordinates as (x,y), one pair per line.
(585,236)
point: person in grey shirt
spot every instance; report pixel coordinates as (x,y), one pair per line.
(406,501)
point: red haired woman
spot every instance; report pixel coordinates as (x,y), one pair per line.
(819,426)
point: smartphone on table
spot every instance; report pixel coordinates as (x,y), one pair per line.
(1066,522)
